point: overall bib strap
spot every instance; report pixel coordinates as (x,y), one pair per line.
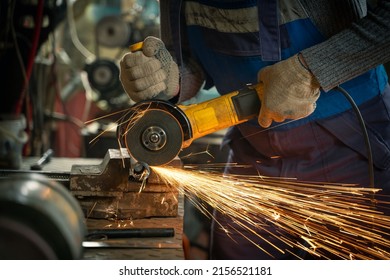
(175,26)
(269,31)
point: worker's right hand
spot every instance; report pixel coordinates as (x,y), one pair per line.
(150,72)
(290,92)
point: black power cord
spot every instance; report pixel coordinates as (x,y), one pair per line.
(365,134)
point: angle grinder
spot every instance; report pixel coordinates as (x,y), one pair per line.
(155,131)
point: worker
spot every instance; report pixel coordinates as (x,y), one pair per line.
(305,53)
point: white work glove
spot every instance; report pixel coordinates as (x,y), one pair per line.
(290,92)
(150,72)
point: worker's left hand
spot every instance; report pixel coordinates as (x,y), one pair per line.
(150,72)
(290,92)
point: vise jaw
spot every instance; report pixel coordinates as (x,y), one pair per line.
(109,191)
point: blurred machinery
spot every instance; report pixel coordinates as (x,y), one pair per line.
(39,219)
(59,62)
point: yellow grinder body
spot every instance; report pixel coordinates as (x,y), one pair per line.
(155,131)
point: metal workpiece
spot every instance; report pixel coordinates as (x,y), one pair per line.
(140,171)
(112,189)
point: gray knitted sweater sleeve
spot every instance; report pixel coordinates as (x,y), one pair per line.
(351,48)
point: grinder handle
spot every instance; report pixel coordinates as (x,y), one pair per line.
(223,112)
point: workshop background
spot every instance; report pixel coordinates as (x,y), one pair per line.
(61,90)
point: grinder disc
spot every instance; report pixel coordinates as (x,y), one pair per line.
(156,138)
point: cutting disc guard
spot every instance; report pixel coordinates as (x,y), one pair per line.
(155,137)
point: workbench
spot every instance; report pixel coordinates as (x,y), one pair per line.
(140,248)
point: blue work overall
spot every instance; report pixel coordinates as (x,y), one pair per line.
(327,146)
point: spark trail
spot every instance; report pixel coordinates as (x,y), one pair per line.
(326,220)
